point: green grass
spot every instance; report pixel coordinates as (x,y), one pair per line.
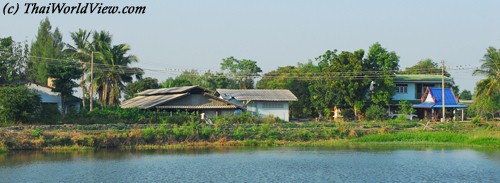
(421,137)
(3,150)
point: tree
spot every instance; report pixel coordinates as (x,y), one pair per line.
(64,73)
(341,82)
(426,66)
(140,85)
(18,104)
(487,91)
(380,65)
(112,68)
(82,52)
(47,48)
(242,71)
(465,95)
(13,58)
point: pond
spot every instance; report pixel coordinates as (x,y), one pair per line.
(280,164)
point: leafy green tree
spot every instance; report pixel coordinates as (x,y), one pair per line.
(406,107)
(47,48)
(341,81)
(242,71)
(426,66)
(140,85)
(213,81)
(18,104)
(13,58)
(64,73)
(487,91)
(380,66)
(465,95)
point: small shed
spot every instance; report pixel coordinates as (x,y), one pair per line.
(186,98)
(261,102)
(432,103)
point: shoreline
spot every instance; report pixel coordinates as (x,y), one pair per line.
(70,138)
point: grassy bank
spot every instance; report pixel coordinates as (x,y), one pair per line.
(198,135)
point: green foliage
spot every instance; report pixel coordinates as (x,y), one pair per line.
(37,132)
(376,112)
(46,48)
(13,58)
(18,104)
(148,134)
(476,121)
(426,66)
(139,86)
(406,107)
(243,70)
(465,95)
(385,63)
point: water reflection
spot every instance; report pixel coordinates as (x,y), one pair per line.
(274,164)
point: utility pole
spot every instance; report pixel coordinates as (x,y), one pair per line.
(442,92)
(91,80)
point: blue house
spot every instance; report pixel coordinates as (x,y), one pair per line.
(432,103)
(412,87)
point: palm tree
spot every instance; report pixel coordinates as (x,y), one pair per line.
(112,68)
(80,51)
(487,94)
(491,69)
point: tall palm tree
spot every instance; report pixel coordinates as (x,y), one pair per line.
(112,68)
(487,94)
(119,71)
(101,47)
(491,69)
(81,51)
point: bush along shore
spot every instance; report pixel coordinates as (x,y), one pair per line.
(245,131)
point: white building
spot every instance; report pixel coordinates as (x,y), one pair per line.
(50,98)
(261,102)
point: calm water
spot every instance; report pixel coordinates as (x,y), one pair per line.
(256,165)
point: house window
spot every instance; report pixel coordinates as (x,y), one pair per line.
(401,88)
(273,105)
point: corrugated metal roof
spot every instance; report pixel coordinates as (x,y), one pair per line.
(146,102)
(450,101)
(405,78)
(449,97)
(259,95)
(190,97)
(174,90)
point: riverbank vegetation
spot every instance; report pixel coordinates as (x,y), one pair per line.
(245,131)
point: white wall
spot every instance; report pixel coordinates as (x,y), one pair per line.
(258,107)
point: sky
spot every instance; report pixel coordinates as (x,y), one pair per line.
(186,34)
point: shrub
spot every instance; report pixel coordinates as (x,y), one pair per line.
(376,112)
(148,134)
(476,121)
(18,104)
(37,132)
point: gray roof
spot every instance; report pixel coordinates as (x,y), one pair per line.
(174,90)
(146,102)
(258,95)
(189,97)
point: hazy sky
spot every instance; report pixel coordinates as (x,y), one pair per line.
(199,34)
